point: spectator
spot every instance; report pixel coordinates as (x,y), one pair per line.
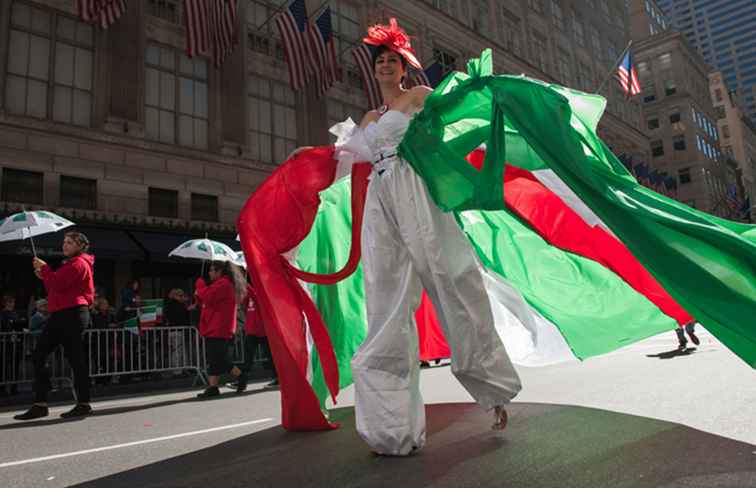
(130,300)
(218,321)
(176,314)
(70,293)
(176,310)
(40,317)
(254,331)
(11,344)
(103,317)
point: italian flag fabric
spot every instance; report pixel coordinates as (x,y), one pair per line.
(578,258)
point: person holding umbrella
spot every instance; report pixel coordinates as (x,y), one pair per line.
(70,293)
(218,302)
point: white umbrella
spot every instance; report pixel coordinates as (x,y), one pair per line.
(26,225)
(206,250)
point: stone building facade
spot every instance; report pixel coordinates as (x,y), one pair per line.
(143,147)
(738,139)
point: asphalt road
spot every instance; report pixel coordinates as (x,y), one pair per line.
(637,417)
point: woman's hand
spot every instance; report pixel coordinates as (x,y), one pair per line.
(38,264)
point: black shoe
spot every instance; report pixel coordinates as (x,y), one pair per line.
(682,346)
(241,383)
(273,383)
(80,410)
(694,338)
(34,412)
(210,392)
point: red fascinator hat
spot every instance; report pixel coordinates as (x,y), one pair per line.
(393,37)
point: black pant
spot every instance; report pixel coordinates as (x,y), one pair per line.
(250,348)
(64,328)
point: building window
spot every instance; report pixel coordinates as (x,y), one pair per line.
(674,117)
(678,143)
(204,207)
(509,31)
(557,15)
(163,203)
(481,17)
(665,61)
(538,50)
(447,61)
(272,119)
(165,9)
(642,68)
(725,131)
(347,30)
(577,28)
(649,91)
(22,186)
(670,88)
(657,148)
(50,71)
(684,175)
(652,123)
(176,100)
(78,192)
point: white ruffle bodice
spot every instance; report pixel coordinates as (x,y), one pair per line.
(379,139)
(384,135)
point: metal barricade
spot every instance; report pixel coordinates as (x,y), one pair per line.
(113,352)
(16,360)
(116,352)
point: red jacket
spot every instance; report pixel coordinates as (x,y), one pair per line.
(71,285)
(253,323)
(218,302)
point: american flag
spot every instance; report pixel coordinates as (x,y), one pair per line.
(430,76)
(628,76)
(363,56)
(292,24)
(101,12)
(323,56)
(211,28)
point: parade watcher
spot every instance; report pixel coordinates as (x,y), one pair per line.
(11,344)
(70,293)
(40,316)
(254,332)
(219,302)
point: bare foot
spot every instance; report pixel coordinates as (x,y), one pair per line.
(500,418)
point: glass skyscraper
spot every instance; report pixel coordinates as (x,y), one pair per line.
(724,32)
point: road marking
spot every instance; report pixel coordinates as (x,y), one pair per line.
(130,444)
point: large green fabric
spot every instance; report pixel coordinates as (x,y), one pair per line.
(342,305)
(706,263)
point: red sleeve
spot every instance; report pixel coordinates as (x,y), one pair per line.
(217,292)
(62,278)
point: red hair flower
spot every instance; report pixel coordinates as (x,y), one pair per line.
(393,37)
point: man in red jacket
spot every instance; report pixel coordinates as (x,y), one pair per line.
(70,293)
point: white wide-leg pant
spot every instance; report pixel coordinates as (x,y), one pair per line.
(409,244)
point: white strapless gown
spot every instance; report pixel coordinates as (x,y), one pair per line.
(409,244)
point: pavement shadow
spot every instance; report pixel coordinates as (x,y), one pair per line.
(544,446)
(674,353)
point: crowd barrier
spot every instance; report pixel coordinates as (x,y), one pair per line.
(117,352)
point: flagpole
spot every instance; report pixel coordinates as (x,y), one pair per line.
(614,67)
(279,9)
